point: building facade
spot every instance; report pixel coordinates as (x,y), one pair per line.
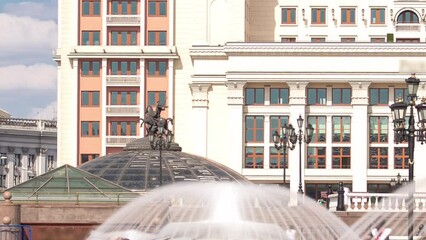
(27,149)
(237,70)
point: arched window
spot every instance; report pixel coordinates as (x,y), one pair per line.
(408,17)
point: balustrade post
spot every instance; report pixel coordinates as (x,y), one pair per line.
(329,191)
(340,198)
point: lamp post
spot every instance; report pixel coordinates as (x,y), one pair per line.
(302,138)
(399,109)
(160,139)
(285,141)
(397,182)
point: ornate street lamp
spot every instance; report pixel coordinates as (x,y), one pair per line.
(399,109)
(303,138)
(397,182)
(285,141)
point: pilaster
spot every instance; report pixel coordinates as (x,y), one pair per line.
(200,116)
(103,106)
(235,125)
(359,133)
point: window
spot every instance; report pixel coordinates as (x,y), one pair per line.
(125,7)
(408,17)
(157,38)
(276,123)
(341,129)
(254,157)
(254,128)
(342,96)
(123,98)
(401,158)
(90,68)
(276,158)
(154,97)
(255,96)
(157,8)
(123,128)
(348,16)
(377,16)
(89,99)
(318,16)
(50,164)
(401,93)
(317,39)
(378,158)
(379,129)
(89,129)
(123,68)
(341,157)
(91,8)
(288,40)
(379,96)
(90,38)
(279,95)
(319,125)
(124,38)
(288,15)
(408,40)
(378,40)
(316,157)
(317,96)
(347,40)
(157,68)
(88,157)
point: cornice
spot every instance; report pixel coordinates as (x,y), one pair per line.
(310,49)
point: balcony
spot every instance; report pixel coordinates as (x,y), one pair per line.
(121,80)
(119,141)
(123,110)
(407,27)
(123,20)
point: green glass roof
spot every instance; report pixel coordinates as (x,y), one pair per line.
(68,183)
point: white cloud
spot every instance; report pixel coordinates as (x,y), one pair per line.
(27,35)
(39,10)
(37,76)
(49,112)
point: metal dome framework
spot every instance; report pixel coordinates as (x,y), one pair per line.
(138,167)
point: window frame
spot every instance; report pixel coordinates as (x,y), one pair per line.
(157,97)
(157,65)
(91,35)
(158,8)
(94,68)
(157,38)
(256,92)
(288,15)
(92,131)
(279,156)
(348,16)
(379,129)
(379,94)
(283,94)
(317,97)
(378,157)
(316,158)
(382,16)
(405,156)
(316,125)
(320,16)
(342,129)
(91,8)
(340,158)
(91,97)
(255,129)
(254,156)
(342,93)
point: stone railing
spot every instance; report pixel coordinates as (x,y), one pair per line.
(379,202)
(120,140)
(122,80)
(123,19)
(123,110)
(27,123)
(407,28)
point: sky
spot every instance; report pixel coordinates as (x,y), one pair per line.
(28,74)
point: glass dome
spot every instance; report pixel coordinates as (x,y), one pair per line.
(138,167)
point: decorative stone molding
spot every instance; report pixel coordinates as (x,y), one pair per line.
(41,150)
(297,93)
(360,93)
(25,150)
(309,49)
(235,92)
(200,94)
(10,149)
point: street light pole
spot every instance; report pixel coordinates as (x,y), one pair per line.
(402,134)
(285,141)
(302,138)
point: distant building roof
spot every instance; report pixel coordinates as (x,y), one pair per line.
(67,183)
(4,114)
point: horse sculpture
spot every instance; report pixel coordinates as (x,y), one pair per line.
(153,120)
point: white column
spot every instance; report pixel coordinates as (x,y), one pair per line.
(235,125)
(103,106)
(171,14)
(200,117)
(297,107)
(359,134)
(24,161)
(142,23)
(104,23)
(10,165)
(266,136)
(142,94)
(171,88)
(329,139)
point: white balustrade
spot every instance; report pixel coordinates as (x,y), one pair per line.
(120,140)
(122,110)
(123,19)
(123,80)
(379,202)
